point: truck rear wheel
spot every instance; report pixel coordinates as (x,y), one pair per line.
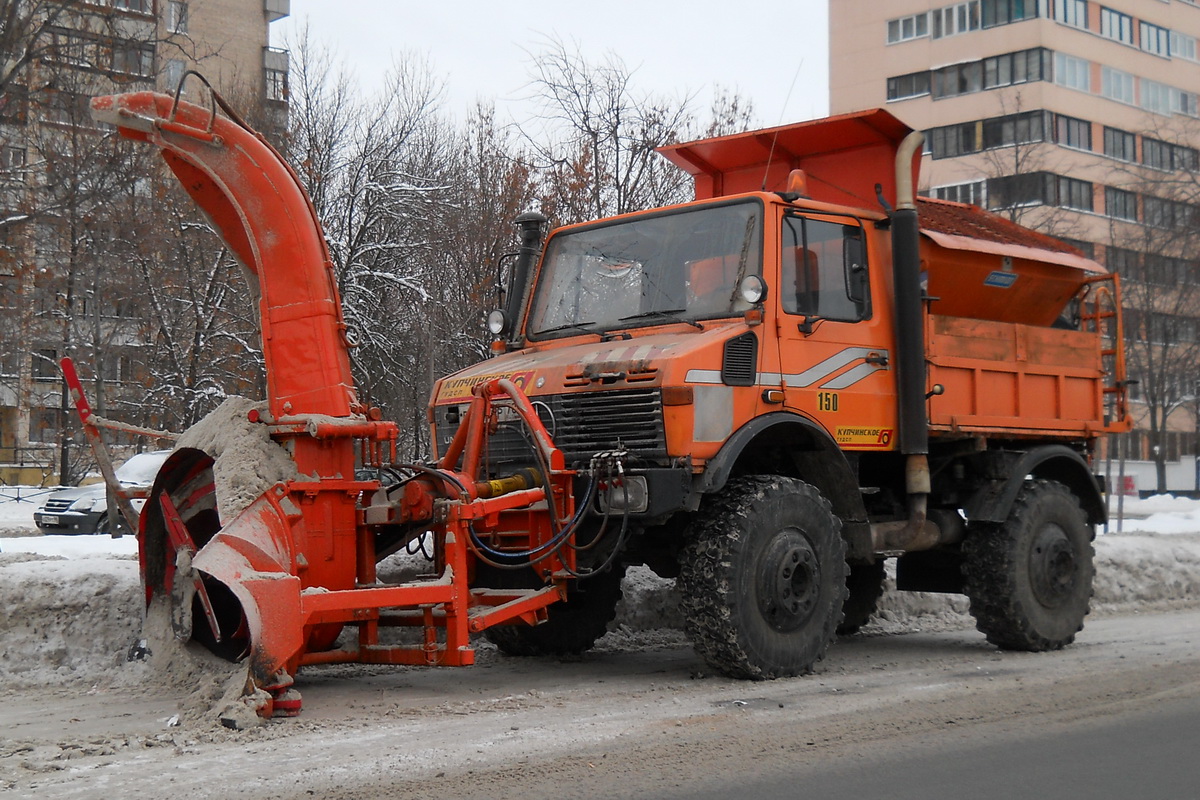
(1030,579)
(571,627)
(763,578)
(865,586)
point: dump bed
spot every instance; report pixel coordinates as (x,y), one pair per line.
(1016,321)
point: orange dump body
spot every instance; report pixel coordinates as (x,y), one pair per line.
(1015,320)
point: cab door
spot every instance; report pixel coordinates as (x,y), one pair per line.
(835,339)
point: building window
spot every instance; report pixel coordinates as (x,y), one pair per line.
(14,104)
(1154,39)
(138,6)
(958,79)
(1002,12)
(1009,69)
(903,86)
(905,28)
(1127,263)
(1071,132)
(1072,193)
(1156,154)
(276,85)
(45,365)
(1183,46)
(1183,102)
(133,58)
(1120,204)
(1074,73)
(177,16)
(1120,144)
(1012,191)
(12,158)
(1071,12)
(1087,248)
(972,193)
(955,19)
(1116,85)
(1115,25)
(173,74)
(1168,214)
(1157,98)
(949,141)
(1014,129)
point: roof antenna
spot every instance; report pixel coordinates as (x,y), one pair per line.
(782,111)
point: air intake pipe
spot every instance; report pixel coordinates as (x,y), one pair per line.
(917,532)
(529,227)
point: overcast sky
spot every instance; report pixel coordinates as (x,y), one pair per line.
(482,49)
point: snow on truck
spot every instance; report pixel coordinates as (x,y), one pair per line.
(764,393)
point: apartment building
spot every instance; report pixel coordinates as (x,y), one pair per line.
(1080,118)
(58,200)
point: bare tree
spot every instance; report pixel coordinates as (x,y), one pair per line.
(596,150)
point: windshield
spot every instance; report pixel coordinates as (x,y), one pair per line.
(679,266)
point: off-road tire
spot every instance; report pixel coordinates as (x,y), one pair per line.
(864,585)
(1029,579)
(572,627)
(763,578)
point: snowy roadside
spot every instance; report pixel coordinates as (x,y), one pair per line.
(73,603)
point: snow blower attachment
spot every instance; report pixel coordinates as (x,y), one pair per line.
(276,581)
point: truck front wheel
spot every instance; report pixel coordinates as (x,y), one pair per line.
(1029,579)
(763,578)
(571,627)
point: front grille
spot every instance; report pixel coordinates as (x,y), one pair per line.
(57,506)
(581,424)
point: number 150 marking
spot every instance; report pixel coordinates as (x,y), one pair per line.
(827,401)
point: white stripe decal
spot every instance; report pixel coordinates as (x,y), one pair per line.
(813,374)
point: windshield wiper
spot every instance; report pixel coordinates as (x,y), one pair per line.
(583,326)
(667,313)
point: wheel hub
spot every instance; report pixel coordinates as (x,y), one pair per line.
(1052,566)
(789,581)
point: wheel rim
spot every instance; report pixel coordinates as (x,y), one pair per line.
(1052,566)
(789,581)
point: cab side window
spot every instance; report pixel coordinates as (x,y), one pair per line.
(824,270)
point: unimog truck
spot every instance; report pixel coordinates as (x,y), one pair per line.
(771,390)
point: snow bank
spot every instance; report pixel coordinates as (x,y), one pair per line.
(66,620)
(73,606)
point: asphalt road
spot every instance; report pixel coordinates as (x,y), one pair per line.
(1148,753)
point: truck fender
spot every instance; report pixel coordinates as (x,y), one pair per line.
(789,444)
(1056,462)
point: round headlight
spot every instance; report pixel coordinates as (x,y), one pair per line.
(497,322)
(753,289)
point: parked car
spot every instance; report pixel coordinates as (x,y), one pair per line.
(84,509)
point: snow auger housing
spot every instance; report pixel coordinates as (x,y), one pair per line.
(278,582)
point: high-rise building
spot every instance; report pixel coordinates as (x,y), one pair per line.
(62,191)
(1076,117)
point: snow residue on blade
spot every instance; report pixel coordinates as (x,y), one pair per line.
(248,461)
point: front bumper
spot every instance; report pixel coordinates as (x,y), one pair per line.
(68,521)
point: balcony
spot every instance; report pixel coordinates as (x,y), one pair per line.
(277,9)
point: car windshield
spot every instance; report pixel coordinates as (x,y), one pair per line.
(141,469)
(677,266)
